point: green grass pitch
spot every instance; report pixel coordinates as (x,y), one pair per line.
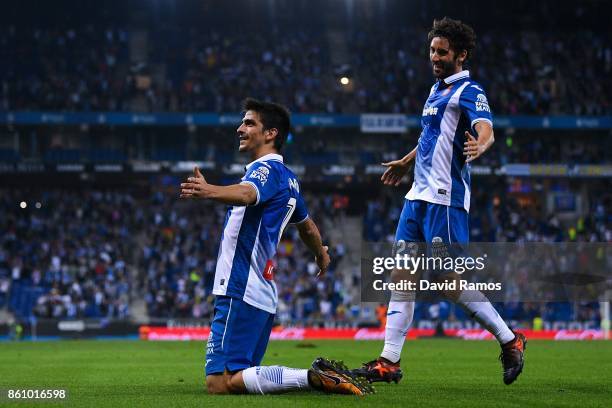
(437,373)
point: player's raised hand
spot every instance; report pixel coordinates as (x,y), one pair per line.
(471,148)
(197,173)
(396,170)
(195,187)
(323,261)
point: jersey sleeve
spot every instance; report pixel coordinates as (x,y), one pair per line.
(264,178)
(474,104)
(301,212)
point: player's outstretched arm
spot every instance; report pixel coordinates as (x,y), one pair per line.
(309,233)
(474,148)
(236,194)
(397,169)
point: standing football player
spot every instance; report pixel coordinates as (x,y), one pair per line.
(262,204)
(457,129)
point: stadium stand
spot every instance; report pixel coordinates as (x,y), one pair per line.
(78,66)
(116,246)
(95,249)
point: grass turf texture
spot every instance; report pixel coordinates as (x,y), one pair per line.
(437,373)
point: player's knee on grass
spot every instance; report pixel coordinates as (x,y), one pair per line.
(216,384)
(225,383)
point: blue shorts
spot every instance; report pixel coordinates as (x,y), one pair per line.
(239,336)
(421,221)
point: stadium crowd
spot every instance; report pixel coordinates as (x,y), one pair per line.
(543,70)
(500,217)
(212,68)
(64,69)
(179,257)
(76,245)
(92,253)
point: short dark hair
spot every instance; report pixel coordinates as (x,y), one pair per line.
(272,116)
(460,36)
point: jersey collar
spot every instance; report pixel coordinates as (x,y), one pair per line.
(455,77)
(269,156)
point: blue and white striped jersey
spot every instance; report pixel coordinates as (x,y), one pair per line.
(251,234)
(441,174)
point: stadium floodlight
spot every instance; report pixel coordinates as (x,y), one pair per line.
(345,80)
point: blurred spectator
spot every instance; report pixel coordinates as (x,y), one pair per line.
(212,67)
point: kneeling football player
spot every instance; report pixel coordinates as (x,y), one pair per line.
(261,205)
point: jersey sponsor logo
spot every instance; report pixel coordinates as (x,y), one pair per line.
(268,273)
(260,174)
(442,191)
(482,104)
(430,111)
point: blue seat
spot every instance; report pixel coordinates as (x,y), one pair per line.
(106,156)
(9,156)
(23,298)
(321,158)
(169,155)
(62,156)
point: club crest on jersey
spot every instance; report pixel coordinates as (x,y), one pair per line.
(482,104)
(260,174)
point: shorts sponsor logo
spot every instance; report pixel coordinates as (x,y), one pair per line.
(438,248)
(210,345)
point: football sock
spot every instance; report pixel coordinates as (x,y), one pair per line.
(274,379)
(478,307)
(399,318)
